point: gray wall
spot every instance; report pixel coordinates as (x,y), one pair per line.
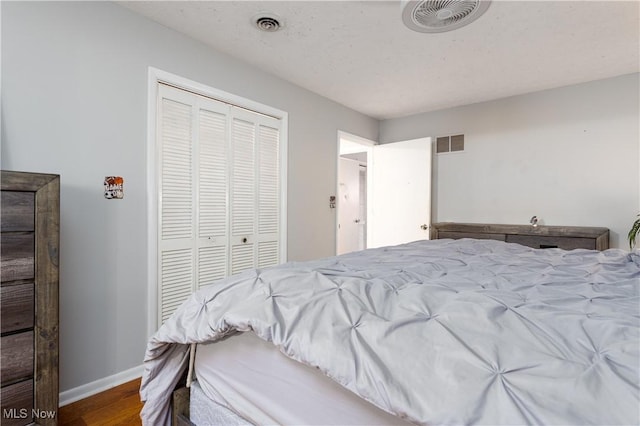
(568,155)
(74,102)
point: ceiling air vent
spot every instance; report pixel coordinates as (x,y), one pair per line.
(267,22)
(438,16)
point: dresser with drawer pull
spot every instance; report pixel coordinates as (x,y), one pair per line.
(542,236)
(29,243)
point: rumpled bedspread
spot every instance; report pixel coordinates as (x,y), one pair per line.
(444,332)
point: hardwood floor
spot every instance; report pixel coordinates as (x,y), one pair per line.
(118,406)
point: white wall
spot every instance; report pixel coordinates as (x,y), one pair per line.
(74,102)
(568,155)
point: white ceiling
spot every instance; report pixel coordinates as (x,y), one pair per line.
(360,54)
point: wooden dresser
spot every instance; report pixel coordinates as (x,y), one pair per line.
(564,237)
(29,242)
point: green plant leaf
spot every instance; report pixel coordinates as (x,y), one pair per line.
(633,233)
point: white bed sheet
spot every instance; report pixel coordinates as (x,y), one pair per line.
(252,378)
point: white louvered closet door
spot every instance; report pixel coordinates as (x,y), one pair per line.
(219,186)
(255,190)
(176,268)
(212,182)
(268,214)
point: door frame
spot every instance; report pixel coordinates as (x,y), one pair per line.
(155,77)
(367,145)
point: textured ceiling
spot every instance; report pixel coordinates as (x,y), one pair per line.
(359,53)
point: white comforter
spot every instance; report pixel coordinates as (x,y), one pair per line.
(437,332)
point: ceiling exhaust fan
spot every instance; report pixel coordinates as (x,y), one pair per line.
(437,16)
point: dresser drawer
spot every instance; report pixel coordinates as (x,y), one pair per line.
(16,307)
(477,235)
(17,254)
(17,357)
(17,209)
(17,402)
(543,241)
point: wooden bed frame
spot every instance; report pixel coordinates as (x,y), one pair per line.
(181,395)
(180,407)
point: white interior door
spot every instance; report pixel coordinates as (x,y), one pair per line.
(400,198)
(348,206)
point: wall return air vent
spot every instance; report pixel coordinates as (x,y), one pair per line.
(453,143)
(438,16)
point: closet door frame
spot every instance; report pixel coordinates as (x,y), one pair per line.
(156,77)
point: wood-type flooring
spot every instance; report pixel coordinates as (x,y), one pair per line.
(118,406)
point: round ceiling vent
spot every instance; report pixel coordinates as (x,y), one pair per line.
(438,16)
(267,22)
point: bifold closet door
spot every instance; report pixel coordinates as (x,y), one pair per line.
(193,211)
(219,203)
(255,190)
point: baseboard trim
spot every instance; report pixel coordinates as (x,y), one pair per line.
(100,385)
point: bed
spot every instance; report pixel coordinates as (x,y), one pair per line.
(448,331)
